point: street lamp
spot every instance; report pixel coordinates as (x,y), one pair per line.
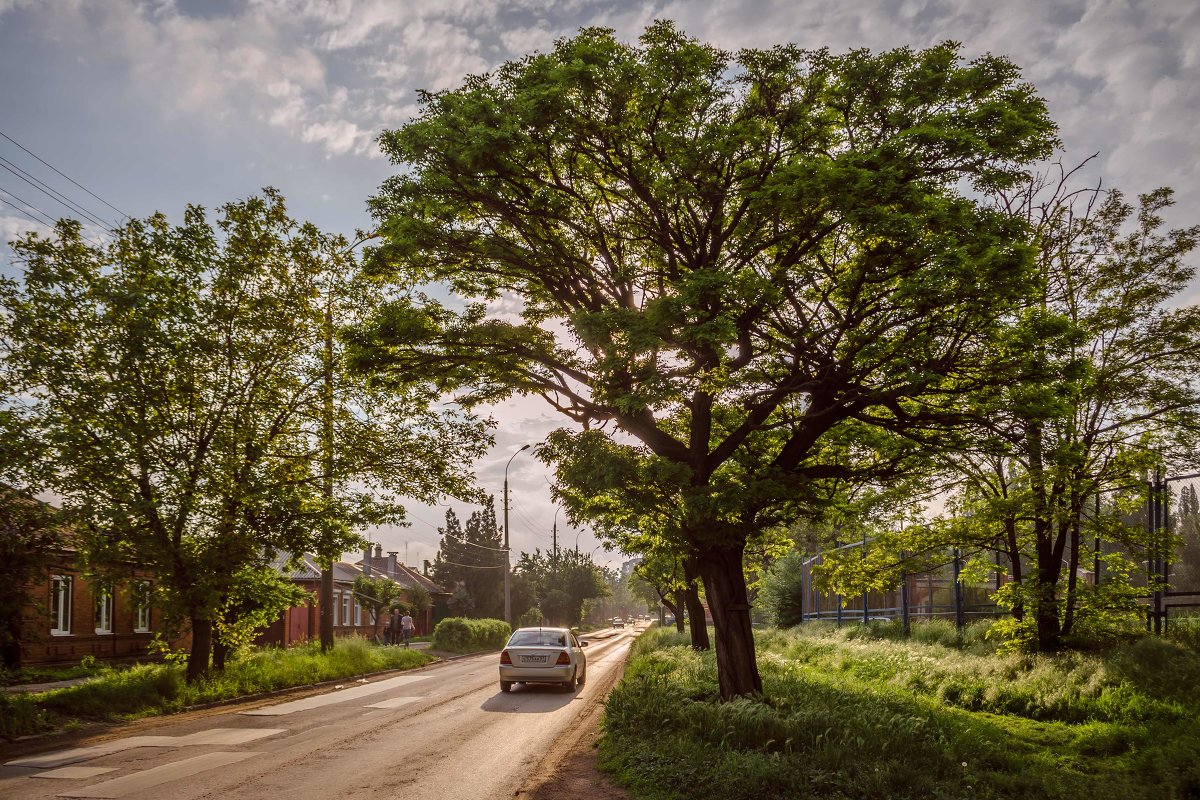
(507,590)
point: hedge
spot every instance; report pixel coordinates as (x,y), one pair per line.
(462,635)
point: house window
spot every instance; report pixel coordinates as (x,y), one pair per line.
(60,605)
(345,608)
(357,613)
(104,610)
(141,604)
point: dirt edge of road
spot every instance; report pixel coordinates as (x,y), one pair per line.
(569,771)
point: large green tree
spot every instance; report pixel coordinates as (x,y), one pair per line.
(714,253)
(180,380)
(1105,388)
(472,557)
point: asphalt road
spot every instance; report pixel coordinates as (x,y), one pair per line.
(444,732)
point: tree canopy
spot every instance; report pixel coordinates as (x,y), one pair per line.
(179,380)
(745,263)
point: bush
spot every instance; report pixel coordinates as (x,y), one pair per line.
(21,716)
(462,635)
(531,618)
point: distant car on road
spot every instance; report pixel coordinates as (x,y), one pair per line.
(618,622)
(543,655)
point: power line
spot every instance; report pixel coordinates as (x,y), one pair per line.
(53,194)
(51,166)
(45,220)
(474,566)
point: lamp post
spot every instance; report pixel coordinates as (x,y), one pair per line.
(507,568)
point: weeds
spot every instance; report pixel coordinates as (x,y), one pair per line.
(148,689)
(856,713)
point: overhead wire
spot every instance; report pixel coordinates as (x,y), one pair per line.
(46,218)
(64,175)
(54,194)
(28,215)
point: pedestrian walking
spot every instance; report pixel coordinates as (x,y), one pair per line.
(407,628)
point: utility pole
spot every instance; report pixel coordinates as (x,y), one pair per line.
(325,600)
(507,568)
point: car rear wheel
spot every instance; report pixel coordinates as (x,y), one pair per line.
(569,686)
(506,686)
(582,678)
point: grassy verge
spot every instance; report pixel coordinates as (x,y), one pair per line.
(149,689)
(845,714)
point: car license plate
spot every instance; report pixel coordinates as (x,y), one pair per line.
(534,659)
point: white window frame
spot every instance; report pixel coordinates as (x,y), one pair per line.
(60,605)
(104,609)
(357,613)
(337,604)
(346,608)
(141,601)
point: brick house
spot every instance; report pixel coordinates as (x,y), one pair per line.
(71,616)
(389,565)
(302,623)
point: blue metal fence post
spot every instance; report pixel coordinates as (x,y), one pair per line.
(958,597)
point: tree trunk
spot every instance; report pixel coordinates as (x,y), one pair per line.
(1049,568)
(697,623)
(220,652)
(325,607)
(1072,579)
(1014,559)
(725,587)
(197,666)
(678,609)
(10,651)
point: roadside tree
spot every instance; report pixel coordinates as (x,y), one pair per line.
(182,379)
(714,253)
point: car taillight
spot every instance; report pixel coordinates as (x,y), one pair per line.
(505,658)
(564,660)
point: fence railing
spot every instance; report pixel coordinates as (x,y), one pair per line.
(1170,568)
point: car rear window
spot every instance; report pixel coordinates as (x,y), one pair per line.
(537,639)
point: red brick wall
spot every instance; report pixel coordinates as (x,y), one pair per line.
(39,646)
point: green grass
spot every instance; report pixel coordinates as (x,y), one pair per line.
(149,689)
(854,713)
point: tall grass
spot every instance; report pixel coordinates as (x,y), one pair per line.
(849,715)
(148,689)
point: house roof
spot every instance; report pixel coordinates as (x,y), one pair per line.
(304,568)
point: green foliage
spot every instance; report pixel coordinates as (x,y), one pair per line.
(471,557)
(532,618)
(147,689)
(257,597)
(377,595)
(20,715)
(176,378)
(461,635)
(29,532)
(849,716)
(758,265)
(560,586)
(782,592)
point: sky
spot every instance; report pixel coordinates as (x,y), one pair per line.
(153,105)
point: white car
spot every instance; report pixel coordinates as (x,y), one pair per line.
(543,655)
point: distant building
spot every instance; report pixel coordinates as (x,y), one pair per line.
(302,623)
(628,567)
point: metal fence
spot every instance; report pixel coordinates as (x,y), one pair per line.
(1167,507)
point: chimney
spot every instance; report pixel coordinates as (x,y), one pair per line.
(367,561)
(379,551)
(425,567)
(393,570)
